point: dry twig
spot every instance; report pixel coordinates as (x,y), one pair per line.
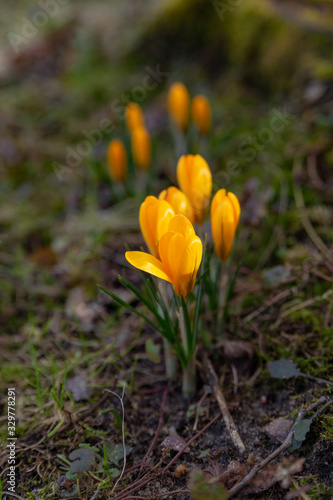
(287,442)
(228,420)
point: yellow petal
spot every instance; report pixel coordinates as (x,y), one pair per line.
(195,180)
(147,263)
(163,248)
(154,218)
(201,113)
(117,160)
(141,147)
(171,250)
(134,116)
(218,199)
(180,224)
(183,171)
(223,229)
(179,202)
(164,215)
(235,203)
(148,222)
(179,104)
(189,265)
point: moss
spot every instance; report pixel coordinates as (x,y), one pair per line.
(319,490)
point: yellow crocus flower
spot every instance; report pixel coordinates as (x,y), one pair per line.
(180,252)
(117,160)
(179,202)
(179,105)
(201,114)
(154,218)
(224,215)
(134,116)
(195,180)
(141,147)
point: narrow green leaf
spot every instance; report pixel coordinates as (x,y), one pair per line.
(128,306)
(137,293)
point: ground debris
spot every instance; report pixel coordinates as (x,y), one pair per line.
(278,429)
(77,386)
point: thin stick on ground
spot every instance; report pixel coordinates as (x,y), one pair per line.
(228,420)
(287,442)
(299,200)
(159,425)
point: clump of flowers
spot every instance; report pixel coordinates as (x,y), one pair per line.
(129,165)
(172,228)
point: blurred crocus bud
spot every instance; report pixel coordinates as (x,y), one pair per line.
(195,180)
(141,147)
(134,116)
(154,218)
(117,160)
(224,214)
(179,105)
(179,202)
(201,114)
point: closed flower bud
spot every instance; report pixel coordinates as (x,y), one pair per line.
(195,180)
(117,160)
(180,252)
(224,215)
(154,218)
(201,114)
(179,202)
(179,105)
(141,148)
(134,116)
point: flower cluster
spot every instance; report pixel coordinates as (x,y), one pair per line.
(140,145)
(180,107)
(168,225)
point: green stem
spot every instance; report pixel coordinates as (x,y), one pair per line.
(223,290)
(171,361)
(189,382)
(189,372)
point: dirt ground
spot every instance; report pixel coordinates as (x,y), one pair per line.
(64,230)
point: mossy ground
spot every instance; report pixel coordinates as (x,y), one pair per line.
(63,231)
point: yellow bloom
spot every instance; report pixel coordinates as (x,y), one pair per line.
(224,215)
(195,180)
(180,251)
(141,147)
(117,160)
(179,105)
(179,202)
(154,218)
(201,114)
(134,116)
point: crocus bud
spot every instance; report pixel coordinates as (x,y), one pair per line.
(117,160)
(154,218)
(179,105)
(141,147)
(195,180)
(134,116)
(224,215)
(201,114)
(179,202)
(180,252)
